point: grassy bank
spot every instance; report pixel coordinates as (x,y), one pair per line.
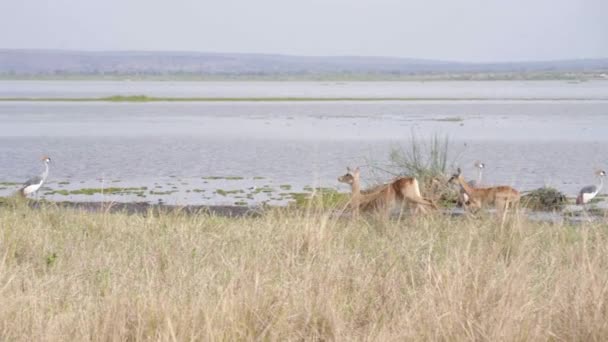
(70,275)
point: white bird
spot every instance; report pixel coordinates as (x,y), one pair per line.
(33,184)
(480,166)
(589,192)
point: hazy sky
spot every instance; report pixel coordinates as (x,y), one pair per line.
(465,30)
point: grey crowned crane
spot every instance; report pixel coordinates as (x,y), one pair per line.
(33,184)
(463,195)
(589,192)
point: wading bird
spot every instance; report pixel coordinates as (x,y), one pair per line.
(33,184)
(589,192)
(464,198)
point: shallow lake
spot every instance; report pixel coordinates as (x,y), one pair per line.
(252,152)
(423,90)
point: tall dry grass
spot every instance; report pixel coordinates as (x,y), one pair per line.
(292,275)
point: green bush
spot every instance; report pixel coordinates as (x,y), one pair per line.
(544,199)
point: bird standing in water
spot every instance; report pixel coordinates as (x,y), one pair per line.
(464,198)
(589,192)
(33,184)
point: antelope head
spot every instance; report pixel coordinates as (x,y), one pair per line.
(350,177)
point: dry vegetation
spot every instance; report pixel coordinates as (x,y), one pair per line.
(296,275)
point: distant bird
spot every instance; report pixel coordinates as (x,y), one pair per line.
(33,184)
(589,192)
(480,166)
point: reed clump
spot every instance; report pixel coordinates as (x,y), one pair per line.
(429,161)
(546,198)
(293,274)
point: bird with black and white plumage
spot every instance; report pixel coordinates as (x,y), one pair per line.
(589,192)
(474,183)
(33,184)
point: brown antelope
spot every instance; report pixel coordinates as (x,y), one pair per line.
(383,197)
(499,196)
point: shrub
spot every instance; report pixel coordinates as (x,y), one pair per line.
(544,198)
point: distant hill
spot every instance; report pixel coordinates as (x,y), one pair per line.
(61,63)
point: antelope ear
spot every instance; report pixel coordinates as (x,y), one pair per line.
(348,168)
(458,171)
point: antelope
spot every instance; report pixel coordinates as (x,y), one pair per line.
(499,196)
(404,189)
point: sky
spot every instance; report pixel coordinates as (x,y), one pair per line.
(456,30)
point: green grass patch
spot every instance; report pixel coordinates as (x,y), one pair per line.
(107,191)
(544,199)
(263,189)
(132,98)
(323,197)
(169,192)
(223,177)
(449,119)
(57,192)
(223,192)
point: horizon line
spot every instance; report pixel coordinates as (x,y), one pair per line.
(151,51)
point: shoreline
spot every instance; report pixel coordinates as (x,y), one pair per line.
(238,211)
(131,208)
(147,99)
(577,76)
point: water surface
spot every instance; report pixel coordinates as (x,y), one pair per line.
(411,89)
(249,152)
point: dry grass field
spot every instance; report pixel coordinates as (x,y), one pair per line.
(67,275)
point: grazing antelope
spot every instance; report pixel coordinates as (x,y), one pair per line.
(499,196)
(383,197)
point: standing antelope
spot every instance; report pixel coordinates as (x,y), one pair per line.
(352,178)
(499,196)
(404,189)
